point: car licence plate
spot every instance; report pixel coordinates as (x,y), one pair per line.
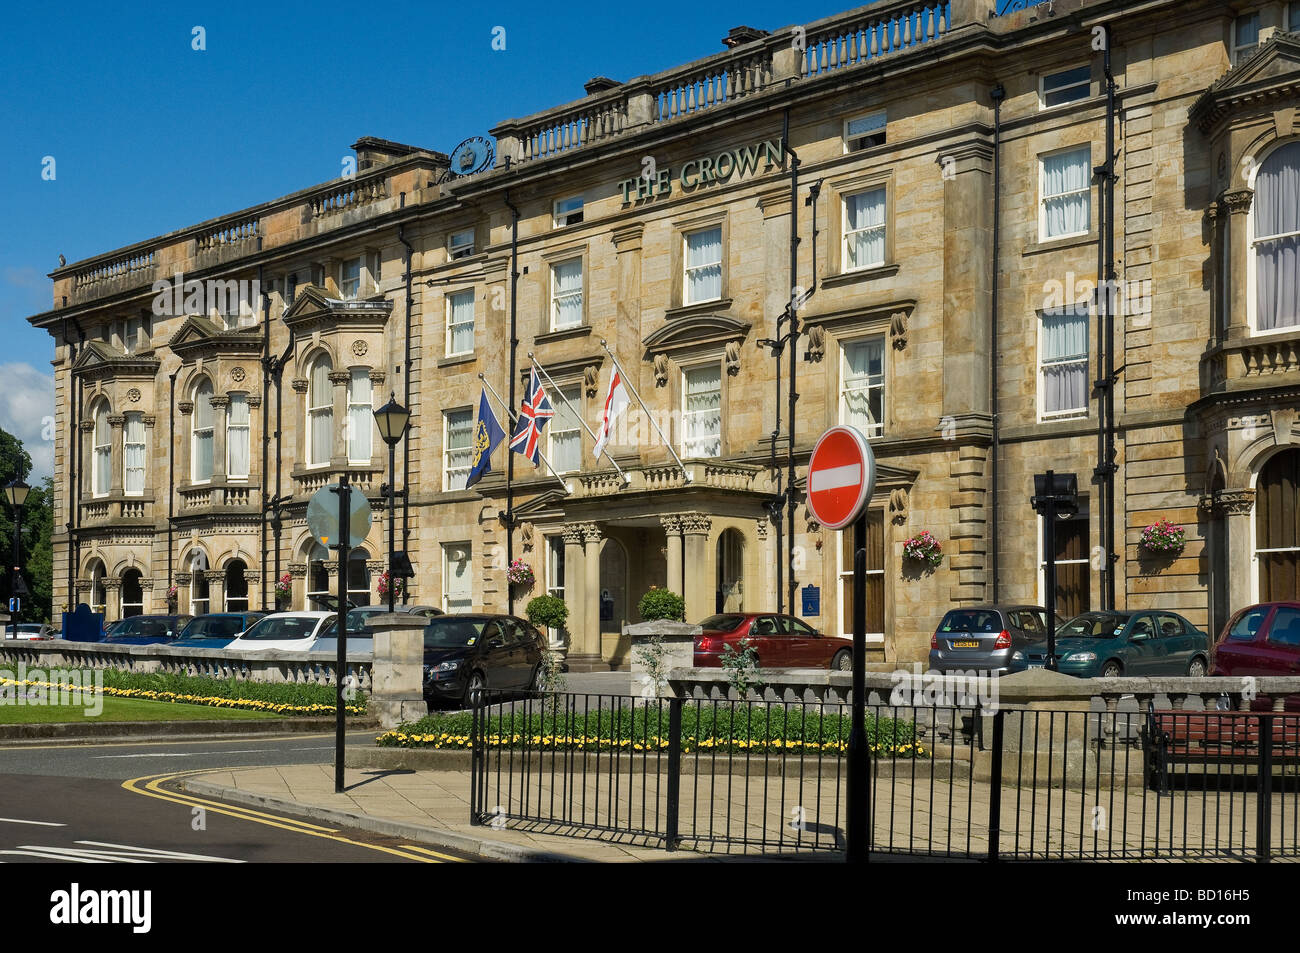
(1033,665)
(965,645)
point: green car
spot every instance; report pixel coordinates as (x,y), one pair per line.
(1110,644)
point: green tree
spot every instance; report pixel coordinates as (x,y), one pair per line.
(36,556)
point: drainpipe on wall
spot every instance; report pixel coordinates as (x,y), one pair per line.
(510,457)
(406,401)
(73,444)
(792,312)
(998,93)
(266,418)
(171,470)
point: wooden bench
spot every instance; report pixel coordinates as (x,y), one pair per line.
(1215,738)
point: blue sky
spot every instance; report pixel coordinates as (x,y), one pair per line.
(149,135)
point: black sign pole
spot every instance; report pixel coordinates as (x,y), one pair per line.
(340,624)
(859,781)
(1049,552)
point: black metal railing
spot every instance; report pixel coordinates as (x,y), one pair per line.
(955,782)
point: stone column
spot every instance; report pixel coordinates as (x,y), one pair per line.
(220,405)
(112,600)
(255,439)
(1236,202)
(184,427)
(184,592)
(673,532)
(87,458)
(626,331)
(216,589)
(339,455)
(397,672)
(700,580)
(116,422)
(575,584)
(1238,507)
(592,538)
(298,573)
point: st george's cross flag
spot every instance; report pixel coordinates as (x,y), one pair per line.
(616,401)
(487,434)
(534,412)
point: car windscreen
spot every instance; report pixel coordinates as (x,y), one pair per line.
(971,620)
(1093,625)
(144,628)
(448,632)
(284,628)
(721,623)
(357,621)
(220,627)
(29,627)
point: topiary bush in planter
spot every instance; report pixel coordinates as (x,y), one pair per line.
(662,604)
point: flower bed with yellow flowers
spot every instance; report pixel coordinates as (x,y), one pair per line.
(280,699)
(754,730)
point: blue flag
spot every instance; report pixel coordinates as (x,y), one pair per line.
(487,434)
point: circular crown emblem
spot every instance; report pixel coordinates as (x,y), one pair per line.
(473,155)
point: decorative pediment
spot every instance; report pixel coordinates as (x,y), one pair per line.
(891,316)
(1271,72)
(312,307)
(695,332)
(98,359)
(202,336)
(547,502)
(585,369)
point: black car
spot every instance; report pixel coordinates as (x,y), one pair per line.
(148,629)
(465,653)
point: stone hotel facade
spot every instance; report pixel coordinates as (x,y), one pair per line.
(952,160)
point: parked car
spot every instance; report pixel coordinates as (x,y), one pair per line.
(985,638)
(1110,644)
(216,630)
(360,638)
(466,653)
(1260,640)
(284,631)
(30,631)
(147,629)
(781,641)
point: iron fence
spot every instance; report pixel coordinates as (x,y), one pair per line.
(947,782)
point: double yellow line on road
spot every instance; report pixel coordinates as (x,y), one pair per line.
(150,785)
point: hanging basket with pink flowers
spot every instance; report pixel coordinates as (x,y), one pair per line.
(1163,538)
(924,548)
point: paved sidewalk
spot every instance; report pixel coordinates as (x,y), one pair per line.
(427,806)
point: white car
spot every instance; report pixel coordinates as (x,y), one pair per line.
(285,632)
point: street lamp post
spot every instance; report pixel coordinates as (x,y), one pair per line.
(392,419)
(16,494)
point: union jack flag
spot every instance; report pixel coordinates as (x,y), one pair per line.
(534,412)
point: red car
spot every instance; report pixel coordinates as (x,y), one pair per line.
(782,641)
(1260,640)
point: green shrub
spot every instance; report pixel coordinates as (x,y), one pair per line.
(305,698)
(547,612)
(662,604)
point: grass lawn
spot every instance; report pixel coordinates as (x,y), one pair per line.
(122,709)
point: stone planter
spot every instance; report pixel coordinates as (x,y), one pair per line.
(678,641)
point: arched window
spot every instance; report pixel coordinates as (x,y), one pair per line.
(320,412)
(132,594)
(360,417)
(103,451)
(358,578)
(1275,239)
(133,453)
(236,586)
(98,596)
(199,591)
(201,441)
(1277,527)
(237,444)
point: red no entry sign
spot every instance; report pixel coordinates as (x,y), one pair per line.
(841,477)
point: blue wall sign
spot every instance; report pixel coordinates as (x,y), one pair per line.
(812,601)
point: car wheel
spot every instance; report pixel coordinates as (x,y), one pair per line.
(1197,668)
(1111,670)
(843,661)
(539,678)
(475,686)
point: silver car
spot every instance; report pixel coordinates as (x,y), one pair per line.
(985,638)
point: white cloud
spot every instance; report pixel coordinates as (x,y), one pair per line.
(27,412)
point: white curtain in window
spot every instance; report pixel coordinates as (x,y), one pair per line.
(460,319)
(1277,240)
(703,423)
(320,401)
(704,265)
(360,416)
(203,434)
(103,451)
(134,450)
(864,386)
(567,293)
(1065,361)
(565,432)
(459,453)
(1065,193)
(237,422)
(864,227)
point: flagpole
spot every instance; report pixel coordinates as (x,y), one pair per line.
(685,472)
(513,417)
(590,433)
